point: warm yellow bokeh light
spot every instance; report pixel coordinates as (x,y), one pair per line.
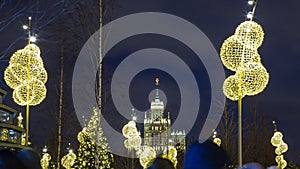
(147,156)
(250,34)
(254,77)
(68,160)
(233,52)
(217,141)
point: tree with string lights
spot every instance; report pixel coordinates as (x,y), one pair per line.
(89,148)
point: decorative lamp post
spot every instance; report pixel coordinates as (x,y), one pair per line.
(281,147)
(27,76)
(239,53)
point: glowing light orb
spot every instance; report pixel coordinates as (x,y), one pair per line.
(254,77)
(36,90)
(147,156)
(68,160)
(231,88)
(283,147)
(129,129)
(27,76)
(233,52)
(250,34)
(217,141)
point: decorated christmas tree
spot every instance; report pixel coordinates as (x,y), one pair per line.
(93,149)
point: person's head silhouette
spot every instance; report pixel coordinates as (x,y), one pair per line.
(206,155)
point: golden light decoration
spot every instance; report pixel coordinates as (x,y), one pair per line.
(80,135)
(129,128)
(4,134)
(217,140)
(233,52)
(27,75)
(254,77)
(68,160)
(250,34)
(36,90)
(231,88)
(45,160)
(171,155)
(281,147)
(147,156)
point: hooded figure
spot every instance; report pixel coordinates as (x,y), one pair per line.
(206,155)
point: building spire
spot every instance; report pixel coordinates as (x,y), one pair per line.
(156,84)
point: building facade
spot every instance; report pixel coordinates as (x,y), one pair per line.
(157,127)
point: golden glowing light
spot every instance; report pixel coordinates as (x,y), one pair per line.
(233,52)
(147,156)
(250,34)
(45,160)
(231,88)
(276,139)
(68,160)
(281,147)
(27,75)
(254,77)
(129,129)
(171,155)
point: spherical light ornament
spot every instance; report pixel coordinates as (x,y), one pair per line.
(126,144)
(250,34)
(68,160)
(129,129)
(25,58)
(233,52)
(279,158)
(36,90)
(217,141)
(34,48)
(231,88)
(147,156)
(276,139)
(282,164)
(80,137)
(277,151)
(254,77)
(135,141)
(283,147)
(10,78)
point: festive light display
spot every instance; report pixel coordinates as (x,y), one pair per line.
(147,156)
(68,160)
(250,34)
(45,160)
(239,53)
(231,88)
(281,147)
(90,148)
(233,52)
(217,140)
(27,76)
(254,78)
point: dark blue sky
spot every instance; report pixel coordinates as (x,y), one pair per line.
(217,19)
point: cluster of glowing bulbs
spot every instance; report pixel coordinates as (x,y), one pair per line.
(239,54)
(45,160)
(281,147)
(217,140)
(146,154)
(68,160)
(27,76)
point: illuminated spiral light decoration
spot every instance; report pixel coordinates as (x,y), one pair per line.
(239,53)
(27,76)
(281,147)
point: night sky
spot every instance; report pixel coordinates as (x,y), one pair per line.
(217,19)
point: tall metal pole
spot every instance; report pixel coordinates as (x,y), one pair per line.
(28,78)
(97,160)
